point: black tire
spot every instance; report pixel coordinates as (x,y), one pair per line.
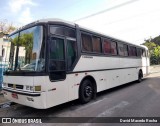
(86,91)
(140,76)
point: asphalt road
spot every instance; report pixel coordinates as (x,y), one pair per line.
(130,100)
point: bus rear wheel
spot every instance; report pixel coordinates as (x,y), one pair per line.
(86,91)
(140,76)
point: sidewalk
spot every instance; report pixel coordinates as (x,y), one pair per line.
(2,99)
(155,69)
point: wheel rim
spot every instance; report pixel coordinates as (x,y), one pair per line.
(88,91)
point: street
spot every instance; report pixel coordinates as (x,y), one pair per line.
(130,100)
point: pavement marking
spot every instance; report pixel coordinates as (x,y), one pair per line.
(107,112)
(90,104)
(111,110)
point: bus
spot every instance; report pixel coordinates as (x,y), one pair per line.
(54,61)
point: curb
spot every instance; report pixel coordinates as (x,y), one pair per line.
(5,103)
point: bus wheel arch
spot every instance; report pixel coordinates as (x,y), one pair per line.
(87,83)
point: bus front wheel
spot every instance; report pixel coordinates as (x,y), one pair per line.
(86,91)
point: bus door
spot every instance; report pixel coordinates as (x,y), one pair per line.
(71,53)
(57,64)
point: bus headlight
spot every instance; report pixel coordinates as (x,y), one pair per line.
(4,84)
(33,88)
(27,88)
(30,88)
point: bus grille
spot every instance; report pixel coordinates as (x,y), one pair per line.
(15,86)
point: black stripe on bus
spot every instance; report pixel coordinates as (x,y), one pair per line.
(101,70)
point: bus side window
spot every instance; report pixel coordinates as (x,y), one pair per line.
(107,46)
(139,52)
(96,42)
(57,55)
(71,53)
(57,49)
(113,48)
(122,49)
(132,51)
(86,43)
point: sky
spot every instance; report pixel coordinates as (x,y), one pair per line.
(129,20)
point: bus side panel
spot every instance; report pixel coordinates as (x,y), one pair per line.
(41,81)
(57,92)
(103,63)
(112,78)
(108,79)
(109,71)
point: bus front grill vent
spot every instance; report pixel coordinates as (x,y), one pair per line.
(16,86)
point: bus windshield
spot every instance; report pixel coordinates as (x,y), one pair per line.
(27,52)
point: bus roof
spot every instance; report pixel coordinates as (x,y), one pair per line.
(60,21)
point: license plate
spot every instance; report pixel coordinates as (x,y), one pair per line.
(14,95)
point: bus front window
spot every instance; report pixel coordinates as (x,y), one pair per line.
(27,50)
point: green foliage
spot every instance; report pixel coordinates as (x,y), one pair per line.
(25,40)
(154,50)
(150,45)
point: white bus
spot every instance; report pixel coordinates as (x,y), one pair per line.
(53,61)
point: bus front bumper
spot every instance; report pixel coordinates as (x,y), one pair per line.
(32,99)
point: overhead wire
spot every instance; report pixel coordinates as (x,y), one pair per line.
(108,9)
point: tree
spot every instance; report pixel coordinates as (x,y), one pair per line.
(150,45)
(156,54)
(6,27)
(154,49)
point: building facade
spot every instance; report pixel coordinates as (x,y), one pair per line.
(4,54)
